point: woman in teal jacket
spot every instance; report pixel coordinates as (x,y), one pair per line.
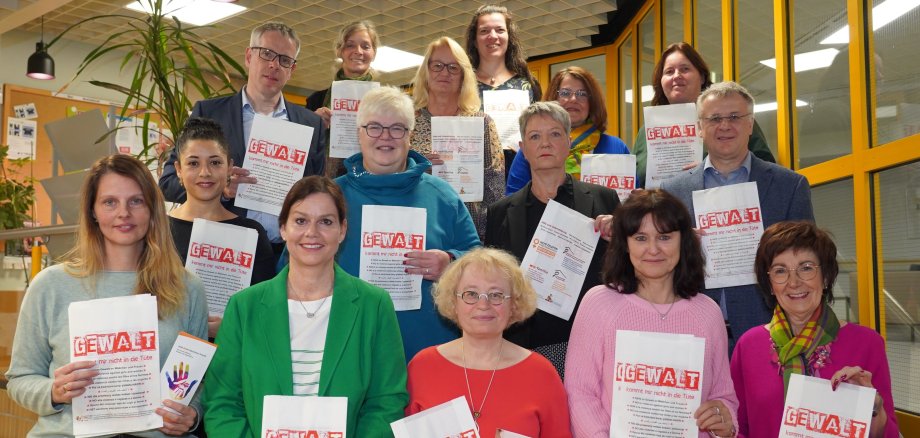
(313,330)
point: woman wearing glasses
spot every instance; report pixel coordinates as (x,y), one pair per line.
(581,95)
(506,387)
(445,85)
(796,266)
(386,172)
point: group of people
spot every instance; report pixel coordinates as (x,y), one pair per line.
(310,327)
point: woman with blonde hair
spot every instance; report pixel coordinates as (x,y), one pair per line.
(123,248)
(484,292)
(445,85)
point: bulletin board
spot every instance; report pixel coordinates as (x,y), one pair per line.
(48,108)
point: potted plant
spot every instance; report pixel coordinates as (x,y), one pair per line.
(17,192)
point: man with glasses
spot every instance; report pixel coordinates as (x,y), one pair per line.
(726,112)
(270,59)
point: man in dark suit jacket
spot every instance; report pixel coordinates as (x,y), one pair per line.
(726,122)
(512,221)
(270,60)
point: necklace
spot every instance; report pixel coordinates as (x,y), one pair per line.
(666,312)
(321,304)
(478,413)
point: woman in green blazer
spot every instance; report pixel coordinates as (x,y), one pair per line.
(313,330)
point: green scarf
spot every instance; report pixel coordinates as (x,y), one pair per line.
(340,76)
(794,352)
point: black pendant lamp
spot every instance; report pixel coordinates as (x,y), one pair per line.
(41,65)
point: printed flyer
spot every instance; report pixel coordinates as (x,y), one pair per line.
(387,234)
(276,154)
(343,127)
(614,171)
(121,335)
(460,143)
(185,367)
(222,256)
(814,410)
(657,384)
(504,107)
(448,420)
(730,222)
(672,139)
(286,416)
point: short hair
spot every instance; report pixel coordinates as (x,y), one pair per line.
(692,55)
(797,236)
(310,185)
(545,108)
(351,28)
(668,215)
(722,90)
(275,26)
(493,262)
(201,128)
(515,59)
(597,106)
(469,100)
(387,100)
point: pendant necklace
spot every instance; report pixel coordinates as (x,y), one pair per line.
(666,312)
(478,413)
(321,304)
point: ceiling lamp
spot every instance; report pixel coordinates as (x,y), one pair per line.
(40,65)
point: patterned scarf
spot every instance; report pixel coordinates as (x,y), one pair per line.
(795,354)
(585,145)
(340,76)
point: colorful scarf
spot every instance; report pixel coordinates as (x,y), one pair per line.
(796,353)
(340,76)
(584,140)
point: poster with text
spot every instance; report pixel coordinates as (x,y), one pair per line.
(460,143)
(222,256)
(447,420)
(657,384)
(276,154)
(730,225)
(504,107)
(285,416)
(614,171)
(121,335)
(343,126)
(557,259)
(387,234)
(184,368)
(672,141)
(814,410)
(20,137)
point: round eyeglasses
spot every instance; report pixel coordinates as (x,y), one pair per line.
(494,298)
(375,130)
(805,272)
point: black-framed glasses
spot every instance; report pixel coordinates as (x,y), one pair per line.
(270,55)
(565,93)
(452,68)
(494,298)
(732,119)
(375,130)
(805,272)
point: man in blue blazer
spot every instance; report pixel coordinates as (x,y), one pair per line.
(270,60)
(726,113)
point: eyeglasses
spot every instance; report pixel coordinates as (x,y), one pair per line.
(732,119)
(270,55)
(495,298)
(375,130)
(438,67)
(805,272)
(565,93)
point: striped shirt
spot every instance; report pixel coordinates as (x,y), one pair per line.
(308,340)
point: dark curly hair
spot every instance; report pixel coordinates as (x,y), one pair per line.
(795,235)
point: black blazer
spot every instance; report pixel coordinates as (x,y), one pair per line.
(506,228)
(228,112)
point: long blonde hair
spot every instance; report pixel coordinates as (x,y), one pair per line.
(159,269)
(469,101)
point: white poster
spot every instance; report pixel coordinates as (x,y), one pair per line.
(285,416)
(448,420)
(460,143)
(222,256)
(672,141)
(504,107)
(184,368)
(20,136)
(813,410)
(387,234)
(614,171)
(343,129)
(657,384)
(557,259)
(121,335)
(25,111)
(276,154)
(730,223)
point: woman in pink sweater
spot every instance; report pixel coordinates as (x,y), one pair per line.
(652,273)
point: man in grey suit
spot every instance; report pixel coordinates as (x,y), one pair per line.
(270,60)
(726,113)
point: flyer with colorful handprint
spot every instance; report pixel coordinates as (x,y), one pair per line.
(185,367)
